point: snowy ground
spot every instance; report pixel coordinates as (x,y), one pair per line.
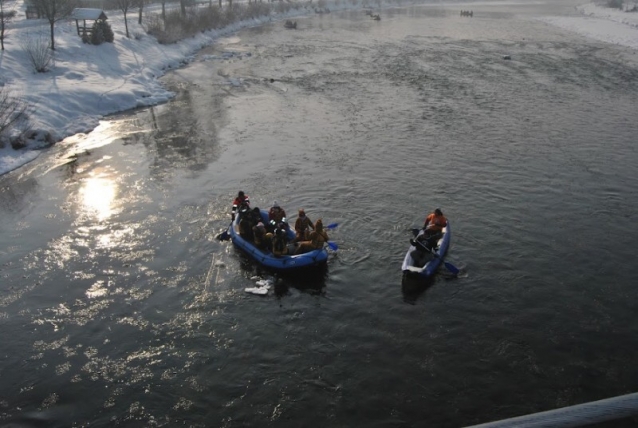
(87,82)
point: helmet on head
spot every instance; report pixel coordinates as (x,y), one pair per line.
(241,194)
(275,205)
(302,212)
(438,211)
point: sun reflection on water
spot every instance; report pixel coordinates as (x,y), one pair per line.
(97,195)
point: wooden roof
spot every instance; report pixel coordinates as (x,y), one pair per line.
(88,14)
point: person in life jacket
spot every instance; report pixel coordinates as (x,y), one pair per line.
(240,201)
(316,239)
(279,242)
(263,239)
(303,224)
(434,223)
(276,215)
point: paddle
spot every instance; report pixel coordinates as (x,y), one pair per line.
(448,266)
(225,236)
(333,246)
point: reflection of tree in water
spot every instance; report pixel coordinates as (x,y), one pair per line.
(182,134)
(14,193)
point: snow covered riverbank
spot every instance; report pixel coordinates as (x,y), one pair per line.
(88,82)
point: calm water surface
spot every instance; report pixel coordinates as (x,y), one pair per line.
(118,305)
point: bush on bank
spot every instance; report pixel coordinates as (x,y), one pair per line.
(176,26)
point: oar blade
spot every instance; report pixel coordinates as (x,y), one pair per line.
(331,226)
(333,246)
(451,268)
(225,235)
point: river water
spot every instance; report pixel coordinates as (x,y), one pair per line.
(119,306)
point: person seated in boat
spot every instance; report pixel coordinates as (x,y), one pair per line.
(279,242)
(255,216)
(246,226)
(316,240)
(422,252)
(263,238)
(424,244)
(241,200)
(434,224)
(276,215)
(303,224)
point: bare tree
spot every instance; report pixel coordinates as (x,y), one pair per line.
(124,6)
(140,5)
(182,6)
(163,11)
(54,11)
(12,110)
(5,17)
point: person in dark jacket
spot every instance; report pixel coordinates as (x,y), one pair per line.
(303,225)
(279,242)
(276,215)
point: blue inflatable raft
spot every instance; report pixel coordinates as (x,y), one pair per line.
(266,258)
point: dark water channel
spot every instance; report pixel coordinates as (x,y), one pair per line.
(119,306)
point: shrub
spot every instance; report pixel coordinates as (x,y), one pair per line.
(616,4)
(38,49)
(176,27)
(101,33)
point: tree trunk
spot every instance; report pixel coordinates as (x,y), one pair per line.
(182,5)
(52,35)
(139,17)
(1,26)
(164,12)
(126,26)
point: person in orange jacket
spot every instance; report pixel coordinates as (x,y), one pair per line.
(316,239)
(435,222)
(432,232)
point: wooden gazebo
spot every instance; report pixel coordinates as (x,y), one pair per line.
(85,14)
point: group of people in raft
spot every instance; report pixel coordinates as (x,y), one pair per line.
(272,236)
